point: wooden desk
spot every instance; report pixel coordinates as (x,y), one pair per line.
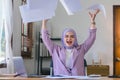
(19,78)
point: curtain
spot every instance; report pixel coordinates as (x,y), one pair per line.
(1,25)
(1,28)
(8,24)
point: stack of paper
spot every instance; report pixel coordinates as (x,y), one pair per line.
(98,6)
(37,10)
(42,4)
(29,15)
(74,77)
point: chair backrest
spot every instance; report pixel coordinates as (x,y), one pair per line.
(85,63)
(85,66)
(19,67)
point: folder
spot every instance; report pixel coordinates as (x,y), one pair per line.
(71,6)
(33,15)
(37,10)
(40,4)
(98,6)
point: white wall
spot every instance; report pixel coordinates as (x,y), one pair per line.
(80,22)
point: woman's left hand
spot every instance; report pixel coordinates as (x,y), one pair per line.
(93,15)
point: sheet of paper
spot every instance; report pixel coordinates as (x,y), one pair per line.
(40,4)
(71,6)
(32,15)
(73,77)
(98,6)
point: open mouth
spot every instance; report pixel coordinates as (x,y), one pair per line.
(69,42)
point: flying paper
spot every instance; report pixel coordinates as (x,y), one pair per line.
(71,6)
(37,10)
(100,7)
(32,15)
(39,4)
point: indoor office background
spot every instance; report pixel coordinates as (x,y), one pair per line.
(103,46)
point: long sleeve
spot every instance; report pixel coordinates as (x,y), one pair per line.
(46,40)
(90,40)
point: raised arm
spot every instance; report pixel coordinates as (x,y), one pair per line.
(92,33)
(45,36)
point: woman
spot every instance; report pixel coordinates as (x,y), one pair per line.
(68,59)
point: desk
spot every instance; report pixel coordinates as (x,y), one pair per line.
(19,78)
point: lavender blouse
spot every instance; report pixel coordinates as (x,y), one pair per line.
(58,54)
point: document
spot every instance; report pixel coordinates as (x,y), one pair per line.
(42,4)
(32,15)
(71,6)
(37,10)
(73,77)
(98,6)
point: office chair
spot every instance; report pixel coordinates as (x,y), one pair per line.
(85,66)
(52,72)
(19,67)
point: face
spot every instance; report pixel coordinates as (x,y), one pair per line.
(69,39)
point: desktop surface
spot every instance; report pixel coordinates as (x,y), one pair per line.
(42,78)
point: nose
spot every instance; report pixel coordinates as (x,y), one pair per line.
(69,38)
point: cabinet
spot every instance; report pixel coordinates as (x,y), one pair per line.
(43,57)
(102,70)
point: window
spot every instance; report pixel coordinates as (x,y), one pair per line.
(27,41)
(2,45)
(26,35)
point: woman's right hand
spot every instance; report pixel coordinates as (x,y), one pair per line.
(44,22)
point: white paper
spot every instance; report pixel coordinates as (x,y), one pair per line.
(32,15)
(71,6)
(40,4)
(74,77)
(100,7)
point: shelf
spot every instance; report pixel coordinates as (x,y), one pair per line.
(45,71)
(3,65)
(54,39)
(43,54)
(57,39)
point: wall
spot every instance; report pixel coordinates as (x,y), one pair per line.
(80,22)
